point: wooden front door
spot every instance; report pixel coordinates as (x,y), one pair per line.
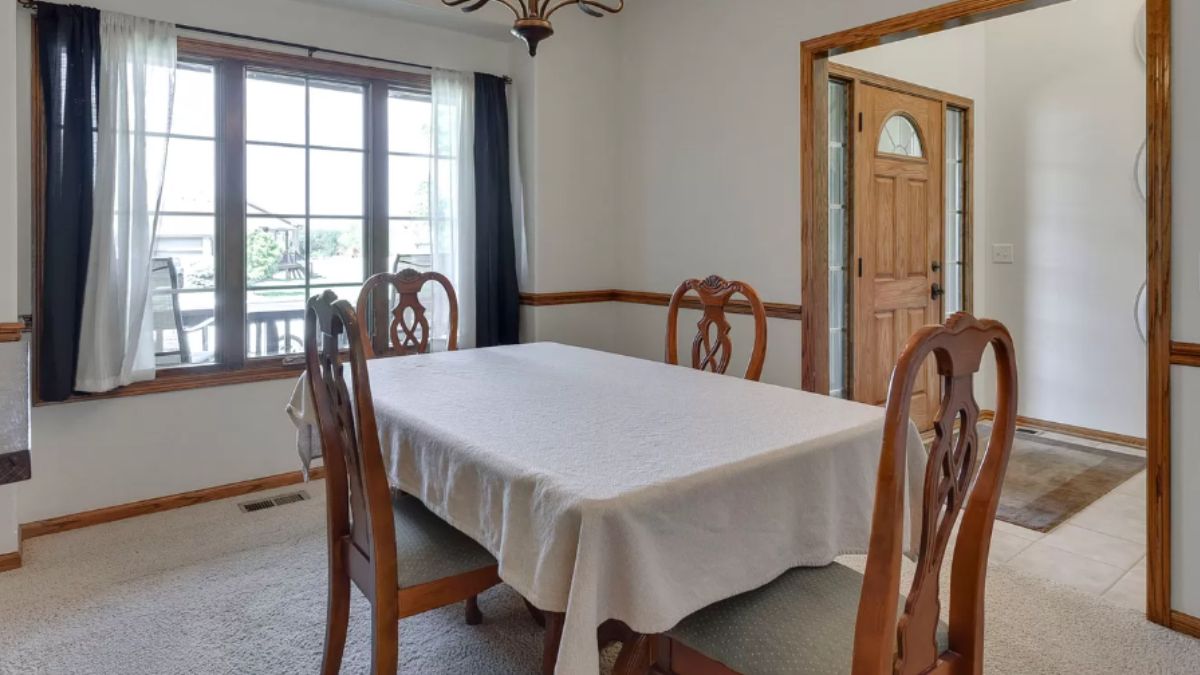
(897,241)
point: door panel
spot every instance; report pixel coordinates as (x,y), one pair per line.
(897,239)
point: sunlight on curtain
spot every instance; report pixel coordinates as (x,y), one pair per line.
(137,82)
(452,200)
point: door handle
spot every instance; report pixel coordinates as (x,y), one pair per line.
(936,291)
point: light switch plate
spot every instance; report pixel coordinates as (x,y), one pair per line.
(1002,254)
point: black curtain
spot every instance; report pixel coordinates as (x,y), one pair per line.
(497,298)
(69,58)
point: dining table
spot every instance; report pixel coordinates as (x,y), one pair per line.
(614,489)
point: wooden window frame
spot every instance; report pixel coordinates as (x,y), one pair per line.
(814,72)
(231,62)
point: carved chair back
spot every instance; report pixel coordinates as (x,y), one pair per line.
(957,475)
(408,331)
(359,511)
(712,347)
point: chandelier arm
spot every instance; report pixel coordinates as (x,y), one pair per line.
(546,12)
(594,8)
(477,4)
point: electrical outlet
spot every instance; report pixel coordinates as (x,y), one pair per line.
(1002,254)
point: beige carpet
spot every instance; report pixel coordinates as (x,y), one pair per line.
(211,590)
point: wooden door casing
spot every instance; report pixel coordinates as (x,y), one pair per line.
(898,236)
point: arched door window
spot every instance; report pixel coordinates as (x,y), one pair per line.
(900,137)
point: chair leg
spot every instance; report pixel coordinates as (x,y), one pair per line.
(538,616)
(474,616)
(385,641)
(336,622)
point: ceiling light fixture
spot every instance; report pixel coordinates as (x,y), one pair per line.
(533,16)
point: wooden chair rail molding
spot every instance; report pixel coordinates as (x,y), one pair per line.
(775,310)
(1185,354)
(11,332)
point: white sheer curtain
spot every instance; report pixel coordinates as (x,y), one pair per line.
(452,199)
(137,82)
(517,185)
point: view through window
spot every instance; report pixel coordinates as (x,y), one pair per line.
(308,222)
(183,273)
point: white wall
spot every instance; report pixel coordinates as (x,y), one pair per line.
(101,453)
(569,97)
(1060,114)
(1067,119)
(575,205)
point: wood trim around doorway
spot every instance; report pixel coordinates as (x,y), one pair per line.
(814,235)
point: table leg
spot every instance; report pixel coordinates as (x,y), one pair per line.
(538,616)
(551,641)
(636,656)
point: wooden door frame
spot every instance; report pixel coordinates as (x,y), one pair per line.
(815,234)
(855,77)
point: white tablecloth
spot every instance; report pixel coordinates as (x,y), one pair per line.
(614,487)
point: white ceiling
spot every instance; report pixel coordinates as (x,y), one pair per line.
(491,22)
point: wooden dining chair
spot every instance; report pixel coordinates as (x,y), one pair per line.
(401,556)
(408,331)
(712,346)
(833,619)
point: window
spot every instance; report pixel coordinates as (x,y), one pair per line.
(839,241)
(900,137)
(183,274)
(410,165)
(272,194)
(305,202)
(956,210)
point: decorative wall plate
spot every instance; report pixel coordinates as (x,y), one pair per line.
(1141,313)
(1141,172)
(1139,34)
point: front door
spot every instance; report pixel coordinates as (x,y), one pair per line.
(897,242)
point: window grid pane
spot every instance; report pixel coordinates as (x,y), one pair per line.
(839,240)
(306,208)
(307,220)
(956,200)
(183,276)
(410,167)
(900,137)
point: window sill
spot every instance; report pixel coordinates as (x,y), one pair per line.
(185,379)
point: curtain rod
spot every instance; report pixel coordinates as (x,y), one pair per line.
(310,49)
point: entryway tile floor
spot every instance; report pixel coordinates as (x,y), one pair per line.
(1101,550)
